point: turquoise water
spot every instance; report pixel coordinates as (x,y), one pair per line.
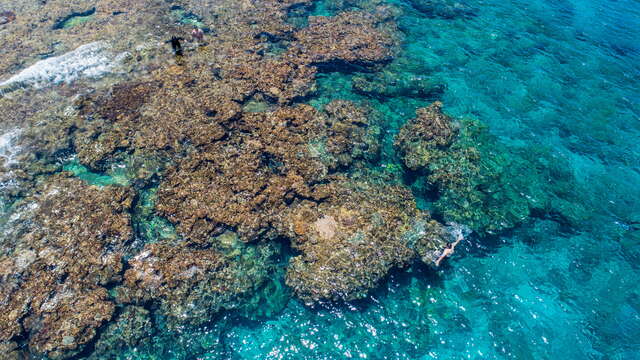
(558,81)
(558,84)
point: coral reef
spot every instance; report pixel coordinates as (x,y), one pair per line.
(71,239)
(190,285)
(479,182)
(245,180)
(349,38)
(350,241)
(189,169)
(420,140)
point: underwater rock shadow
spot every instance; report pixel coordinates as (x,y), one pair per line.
(74,18)
(444,9)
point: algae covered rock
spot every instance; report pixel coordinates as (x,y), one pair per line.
(351,240)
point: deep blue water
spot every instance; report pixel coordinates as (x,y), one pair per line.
(561,77)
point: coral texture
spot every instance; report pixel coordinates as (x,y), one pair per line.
(72,238)
(350,241)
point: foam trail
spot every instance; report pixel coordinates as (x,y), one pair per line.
(89,60)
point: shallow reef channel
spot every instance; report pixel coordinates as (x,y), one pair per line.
(285,179)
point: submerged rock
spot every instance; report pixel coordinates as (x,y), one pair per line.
(191,285)
(385,85)
(479,182)
(132,328)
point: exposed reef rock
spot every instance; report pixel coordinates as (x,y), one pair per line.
(90,60)
(350,241)
(34,32)
(52,281)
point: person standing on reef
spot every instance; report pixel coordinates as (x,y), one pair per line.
(449,249)
(197,34)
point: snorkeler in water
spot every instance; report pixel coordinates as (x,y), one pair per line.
(449,249)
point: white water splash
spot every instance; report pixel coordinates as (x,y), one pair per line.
(90,60)
(8,153)
(8,149)
(457,231)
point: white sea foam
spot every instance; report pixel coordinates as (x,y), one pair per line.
(89,60)
(8,148)
(8,153)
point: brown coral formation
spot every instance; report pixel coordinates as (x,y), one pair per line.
(351,38)
(352,133)
(420,137)
(52,283)
(249,178)
(190,285)
(350,241)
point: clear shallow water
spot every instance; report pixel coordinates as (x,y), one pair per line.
(558,77)
(563,76)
